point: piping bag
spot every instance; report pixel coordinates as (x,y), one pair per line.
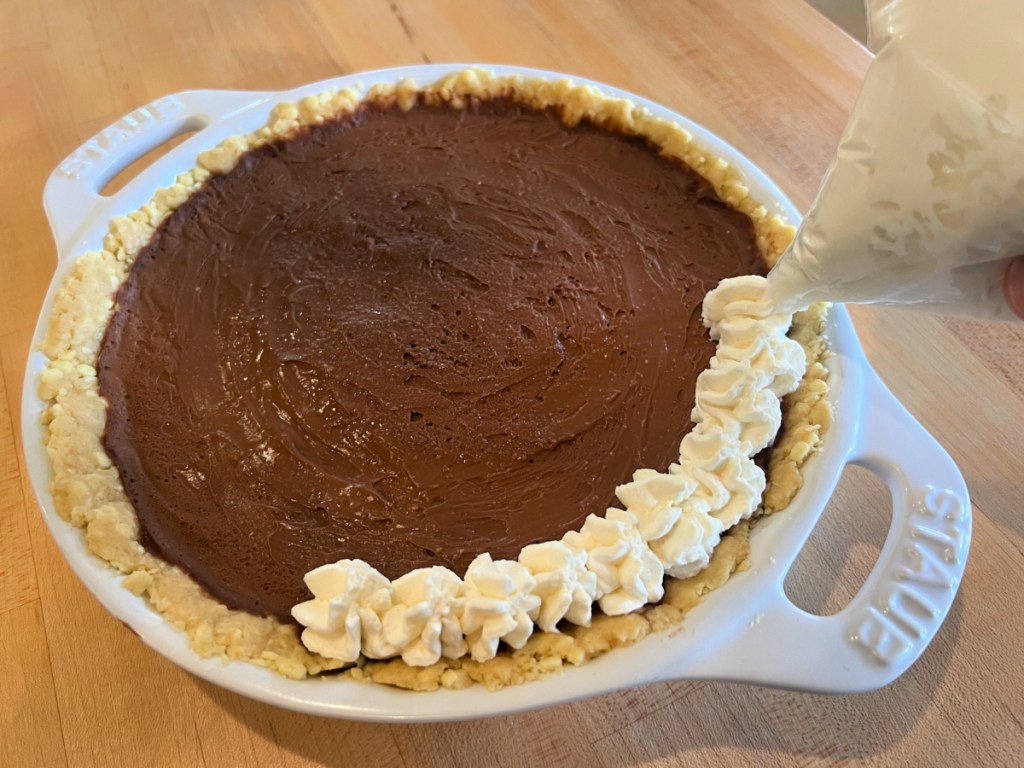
(923,205)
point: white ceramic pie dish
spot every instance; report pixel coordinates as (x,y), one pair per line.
(747,631)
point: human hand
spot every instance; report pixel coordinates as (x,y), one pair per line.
(1013,286)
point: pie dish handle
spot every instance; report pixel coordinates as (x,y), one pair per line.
(73,196)
(907,595)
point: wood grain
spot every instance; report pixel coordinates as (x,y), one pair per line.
(769,76)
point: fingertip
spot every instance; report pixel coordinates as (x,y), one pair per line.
(1013,286)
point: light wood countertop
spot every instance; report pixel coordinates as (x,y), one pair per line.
(773,78)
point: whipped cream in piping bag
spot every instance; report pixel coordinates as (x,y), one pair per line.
(923,204)
(669,524)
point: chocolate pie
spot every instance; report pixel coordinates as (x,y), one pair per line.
(404,328)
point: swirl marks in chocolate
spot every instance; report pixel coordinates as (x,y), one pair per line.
(409,338)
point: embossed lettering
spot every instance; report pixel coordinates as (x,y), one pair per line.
(110,138)
(914,587)
(921,566)
(880,637)
(941,504)
(165,106)
(74,166)
(945,544)
(908,607)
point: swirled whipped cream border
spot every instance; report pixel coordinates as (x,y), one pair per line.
(669,523)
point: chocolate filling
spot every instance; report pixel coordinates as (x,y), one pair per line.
(409,338)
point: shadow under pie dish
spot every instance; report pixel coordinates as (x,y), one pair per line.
(482,325)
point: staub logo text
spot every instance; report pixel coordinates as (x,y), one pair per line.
(906,607)
(109,139)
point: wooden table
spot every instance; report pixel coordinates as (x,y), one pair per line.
(770,76)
